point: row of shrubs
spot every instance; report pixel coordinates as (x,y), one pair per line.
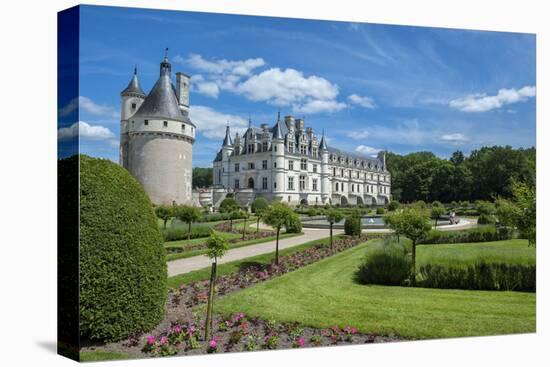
(480,276)
(216,217)
(181,233)
(479,234)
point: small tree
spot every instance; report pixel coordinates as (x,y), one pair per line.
(258,205)
(244,214)
(525,199)
(231,206)
(437,211)
(415,225)
(277,216)
(164,213)
(217,247)
(188,214)
(394,221)
(393,205)
(333,216)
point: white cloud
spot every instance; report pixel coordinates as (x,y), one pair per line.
(366,102)
(212,123)
(317,106)
(209,89)
(358,134)
(364,149)
(87,105)
(240,67)
(85,130)
(454,138)
(482,102)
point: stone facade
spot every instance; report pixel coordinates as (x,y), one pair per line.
(287,162)
(157,136)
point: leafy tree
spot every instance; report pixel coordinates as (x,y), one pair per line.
(217,247)
(244,214)
(202,177)
(393,220)
(333,216)
(352,225)
(524,196)
(393,205)
(188,214)
(277,216)
(437,211)
(258,205)
(164,212)
(230,205)
(415,225)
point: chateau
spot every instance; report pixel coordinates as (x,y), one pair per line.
(157,136)
(287,162)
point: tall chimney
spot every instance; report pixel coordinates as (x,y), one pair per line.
(182,90)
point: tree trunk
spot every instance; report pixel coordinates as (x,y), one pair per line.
(413,275)
(230,224)
(331,244)
(165,221)
(435,226)
(258,225)
(189,233)
(210,306)
(277,247)
(244,228)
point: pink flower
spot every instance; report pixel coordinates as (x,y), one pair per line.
(176,329)
(150,340)
(163,340)
(213,343)
(301,341)
(182,286)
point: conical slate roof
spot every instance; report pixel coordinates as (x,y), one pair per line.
(227,142)
(133,87)
(277,132)
(323,144)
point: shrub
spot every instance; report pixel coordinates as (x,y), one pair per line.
(229,204)
(312,212)
(293,224)
(480,234)
(352,225)
(122,260)
(486,219)
(480,276)
(393,205)
(385,266)
(181,233)
(380,211)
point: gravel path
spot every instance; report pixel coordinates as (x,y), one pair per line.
(183,266)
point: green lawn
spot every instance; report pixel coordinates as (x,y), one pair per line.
(510,252)
(99,355)
(324,294)
(230,267)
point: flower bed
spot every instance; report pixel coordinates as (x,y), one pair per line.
(182,330)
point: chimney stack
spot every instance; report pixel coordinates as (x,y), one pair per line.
(182,90)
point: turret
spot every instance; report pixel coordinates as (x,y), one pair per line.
(131,99)
(278,156)
(326,189)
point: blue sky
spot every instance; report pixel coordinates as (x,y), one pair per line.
(369,86)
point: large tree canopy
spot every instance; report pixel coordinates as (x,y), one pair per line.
(483,174)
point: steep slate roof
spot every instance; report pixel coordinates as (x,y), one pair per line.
(162,102)
(133,87)
(227,141)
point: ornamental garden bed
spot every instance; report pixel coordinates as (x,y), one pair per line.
(182,329)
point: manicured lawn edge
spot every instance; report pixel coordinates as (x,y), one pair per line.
(100,355)
(186,254)
(203,274)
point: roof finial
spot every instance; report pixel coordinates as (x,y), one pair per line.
(249,122)
(135,69)
(279,115)
(166,53)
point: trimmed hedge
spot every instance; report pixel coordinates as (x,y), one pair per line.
(385,267)
(294,224)
(122,260)
(480,276)
(216,217)
(180,233)
(480,234)
(352,225)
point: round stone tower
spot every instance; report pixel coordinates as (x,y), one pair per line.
(157,137)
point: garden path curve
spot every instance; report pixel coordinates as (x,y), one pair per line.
(183,266)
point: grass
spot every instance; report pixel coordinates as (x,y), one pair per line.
(325,294)
(510,251)
(197,252)
(230,267)
(99,355)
